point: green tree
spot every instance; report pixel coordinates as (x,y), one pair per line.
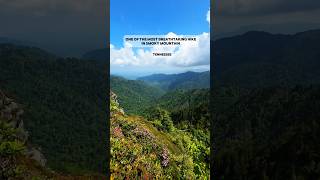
(161,115)
(10,149)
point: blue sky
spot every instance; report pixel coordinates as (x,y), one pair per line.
(157,17)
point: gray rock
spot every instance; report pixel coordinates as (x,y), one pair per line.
(11,113)
(36,155)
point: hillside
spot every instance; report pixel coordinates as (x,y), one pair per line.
(189,108)
(19,158)
(167,133)
(187,80)
(265,106)
(154,148)
(64,104)
(260,59)
(269,133)
(134,96)
(15,149)
(179,99)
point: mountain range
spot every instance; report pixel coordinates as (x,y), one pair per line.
(260,59)
(187,80)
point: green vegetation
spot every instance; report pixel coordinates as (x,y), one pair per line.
(189,109)
(161,119)
(265,127)
(14,163)
(266,106)
(64,104)
(141,149)
(10,149)
(260,59)
(164,135)
(270,133)
(134,96)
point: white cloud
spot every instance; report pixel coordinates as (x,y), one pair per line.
(182,56)
(208,16)
(186,56)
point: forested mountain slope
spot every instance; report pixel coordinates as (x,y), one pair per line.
(64,102)
(154,148)
(261,59)
(270,133)
(134,95)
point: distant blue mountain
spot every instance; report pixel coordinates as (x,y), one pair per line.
(187,80)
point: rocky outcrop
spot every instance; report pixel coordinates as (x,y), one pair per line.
(34,153)
(11,113)
(114,97)
(114,101)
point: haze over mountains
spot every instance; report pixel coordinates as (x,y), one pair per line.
(187,80)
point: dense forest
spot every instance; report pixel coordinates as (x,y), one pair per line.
(19,158)
(134,96)
(265,105)
(64,100)
(269,133)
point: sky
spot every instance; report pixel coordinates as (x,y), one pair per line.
(63,27)
(158,17)
(275,16)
